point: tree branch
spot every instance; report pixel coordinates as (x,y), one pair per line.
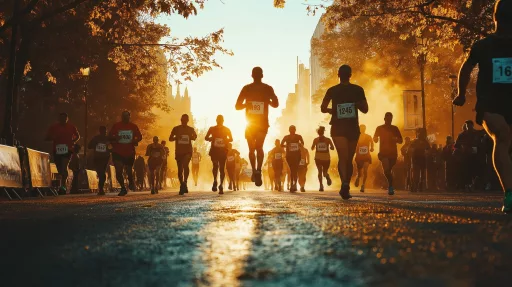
(59,10)
(22,12)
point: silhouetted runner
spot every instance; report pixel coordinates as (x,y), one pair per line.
(219,136)
(183,135)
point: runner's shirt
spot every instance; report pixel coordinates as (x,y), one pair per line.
(276,155)
(493,54)
(344,116)
(304,155)
(418,151)
(363,147)
(184,137)
(388,143)
(292,144)
(128,135)
(100,145)
(220,136)
(63,137)
(257,97)
(322,147)
(231,157)
(196,158)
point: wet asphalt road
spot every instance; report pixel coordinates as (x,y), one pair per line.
(256,238)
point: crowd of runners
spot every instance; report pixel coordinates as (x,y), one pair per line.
(290,156)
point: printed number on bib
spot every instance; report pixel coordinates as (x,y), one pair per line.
(125,137)
(231,158)
(61,149)
(218,142)
(294,147)
(321,147)
(363,150)
(302,162)
(346,111)
(257,108)
(101,147)
(183,139)
(278,156)
(502,70)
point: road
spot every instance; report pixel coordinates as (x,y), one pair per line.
(256,238)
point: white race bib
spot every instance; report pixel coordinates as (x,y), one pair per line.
(363,150)
(155,154)
(231,158)
(218,142)
(278,156)
(257,108)
(184,139)
(502,70)
(302,162)
(321,147)
(101,147)
(474,149)
(61,149)
(294,147)
(125,136)
(346,111)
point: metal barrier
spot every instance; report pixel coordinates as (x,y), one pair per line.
(39,171)
(10,170)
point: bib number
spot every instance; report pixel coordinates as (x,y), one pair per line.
(502,70)
(257,108)
(218,142)
(294,147)
(101,147)
(125,137)
(346,111)
(155,154)
(363,150)
(231,158)
(61,149)
(278,156)
(184,139)
(321,147)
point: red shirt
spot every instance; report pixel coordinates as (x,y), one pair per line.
(63,136)
(127,135)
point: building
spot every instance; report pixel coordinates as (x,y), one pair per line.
(179,104)
(318,73)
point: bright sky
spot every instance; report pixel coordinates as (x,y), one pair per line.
(259,35)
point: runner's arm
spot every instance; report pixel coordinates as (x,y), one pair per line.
(362,105)
(172,137)
(230,136)
(325,103)
(240,102)
(147,151)
(194,135)
(76,135)
(307,157)
(274,101)
(314,144)
(376,135)
(372,145)
(399,138)
(113,136)
(137,134)
(208,136)
(332,145)
(283,142)
(465,74)
(92,143)
(301,140)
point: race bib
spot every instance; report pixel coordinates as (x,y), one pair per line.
(61,149)
(218,142)
(502,70)
(257,108)
(231,158)
(155,154)
(278,156)
(270,165)
(294,147)
(125,136)
(302,162)
(363,150)
(346,111)
(101,147)
(184,139)
(195,160)
(321,147)
(474,149)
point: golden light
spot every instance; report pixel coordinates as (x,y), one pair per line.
(85,71)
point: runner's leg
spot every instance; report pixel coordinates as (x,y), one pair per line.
(222,169)
(365,172)
(320,166)
(500,131)
(186,167)
(118,164)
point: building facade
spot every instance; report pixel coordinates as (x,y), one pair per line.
(318,73)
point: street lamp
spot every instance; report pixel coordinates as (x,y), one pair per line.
(85,73)
(422,61)
(453,79)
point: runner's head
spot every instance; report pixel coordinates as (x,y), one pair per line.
(388,118)
(320,131)
(220,120)
(503,14)
(292,129)
(195,149)
(407,140)
(155,139)
(344,73)
(125,117)
(184,119)
(103,130)
(277,143)
(63,118)
(469,125)
(163,143)
(362,129)
(257,74)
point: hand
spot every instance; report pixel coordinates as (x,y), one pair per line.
(371,150)
(459,100)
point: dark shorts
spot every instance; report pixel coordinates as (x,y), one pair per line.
(183,157)
(218,153)
(154,163)
(126,160)
(254,133)
(350,133)
(360,163)
(195,167)
(362,160)
(391,159)
(59,159)
(293,160)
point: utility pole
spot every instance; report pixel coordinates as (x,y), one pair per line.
(453,78)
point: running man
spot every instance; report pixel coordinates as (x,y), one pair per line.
(347,99)
(230,166)
(303,167)
(292,142)
(321,145)
(124,136)
(219,136)
(100,145)
(64,135)
(256,98)
(493,54)
(163,169)
(363,156)
(156,155)
(389,136)
(183,135)
(196,159)
(238,168)
(276,158)
(140,172)
(417,151)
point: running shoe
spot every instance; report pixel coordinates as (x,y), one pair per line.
(185,187)
(357,182)
(131,186)
(329,181)
(391,191)
(230,187)
(123,192)
(101,192)
(221,189)
(321,187)
(153,191)
(214,187)
(362,188)
(302,189)
(253,176)
(257,177)
(345,192)
(507,202)
(62,190)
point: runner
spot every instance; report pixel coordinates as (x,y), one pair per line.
(140,172)
(156,155)
(303,167)
(238,169)
(286,175)
(74,166)
(363,156)
(389,136)
(322,145)
(219,136)
(467,144)
(271,174)
(124,136)
(163,169)
(100,145)
(407,162)
(183,135)
(292,143)
(347,99)
(276,158)
(255,98)
(196,159)
(230,166)
(418,154)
